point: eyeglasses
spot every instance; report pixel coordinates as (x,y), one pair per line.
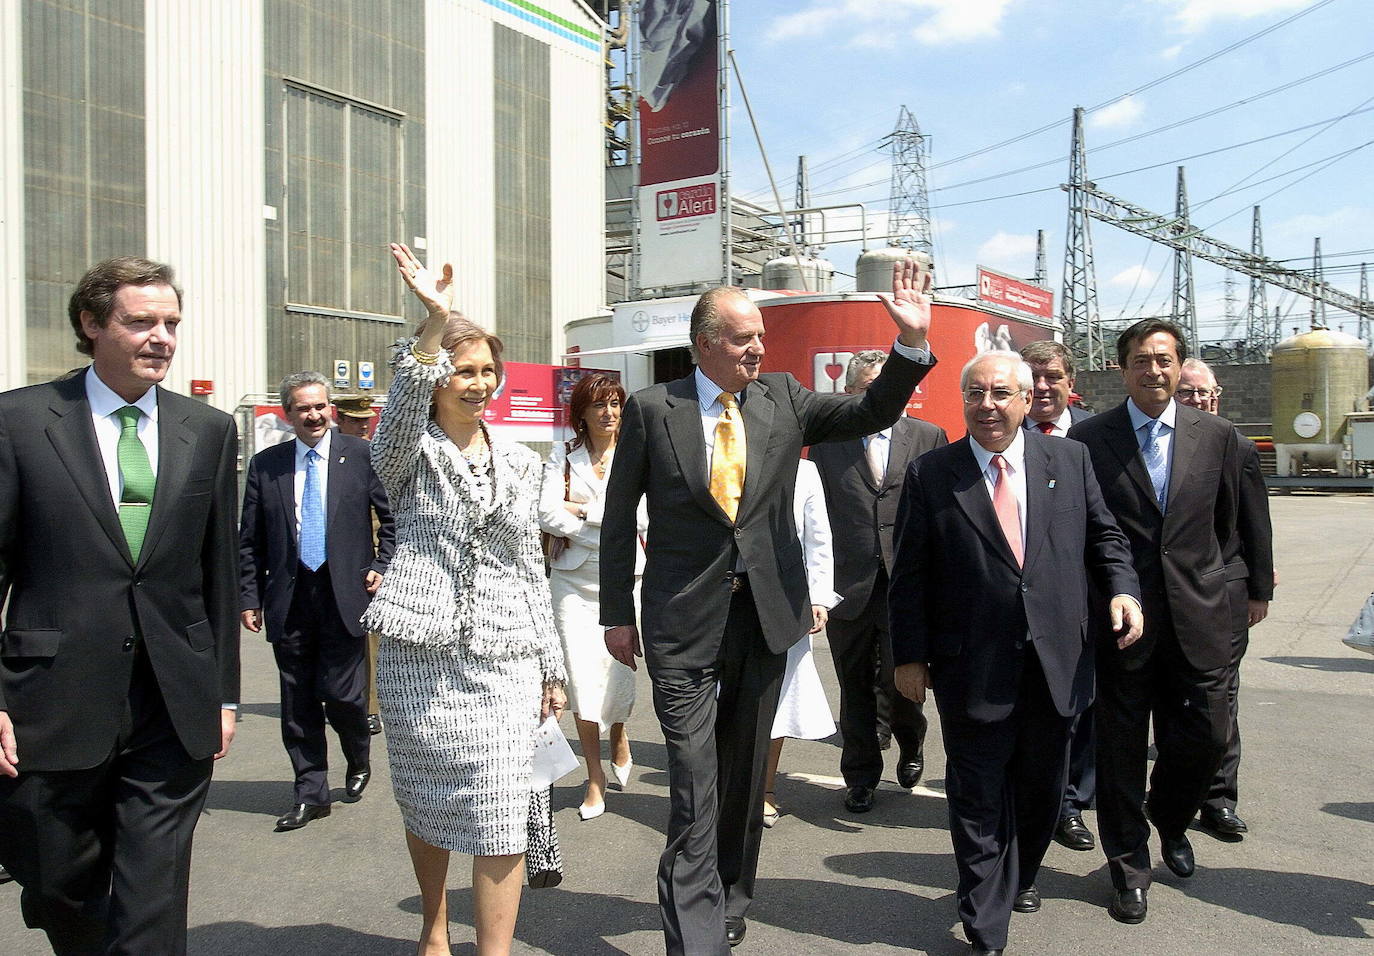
(1000,396)
(1197,392)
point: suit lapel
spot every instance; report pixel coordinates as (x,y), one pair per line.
(334,493)
(683,424)
(972,495)
(1128,450)
(284,477)
(898,453)
(1039,496)
(1185,442)
(73,437)
(758,412)
(176,448)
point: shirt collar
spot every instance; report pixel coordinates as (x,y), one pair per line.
(105,402)
(1015,453)
(708,392)
(1139,418)
(322,446)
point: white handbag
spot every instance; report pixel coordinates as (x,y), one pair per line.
(1361,633)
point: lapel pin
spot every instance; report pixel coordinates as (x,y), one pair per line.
(1051,482)
(342,459)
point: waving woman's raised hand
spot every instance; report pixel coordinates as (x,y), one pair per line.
(435,291)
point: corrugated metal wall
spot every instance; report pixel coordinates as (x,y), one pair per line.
(204,65)
(12,323)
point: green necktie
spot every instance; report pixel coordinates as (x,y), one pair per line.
(137,500)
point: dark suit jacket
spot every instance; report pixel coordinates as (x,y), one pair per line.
(268,546)
(692,544)
(1249,548)
(1178,555)
(861,512)
(1076,415)
(78,605)
(959,603)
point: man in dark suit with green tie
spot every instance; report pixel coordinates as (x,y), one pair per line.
(119,664)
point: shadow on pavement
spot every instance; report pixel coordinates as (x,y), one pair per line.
(559,921)
(1352,811)
(1324,905)
(827,911)
(241,937)
(269,797)
(261,710)
(1353,665)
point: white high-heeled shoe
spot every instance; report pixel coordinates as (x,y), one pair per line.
(622,774)
(585,812)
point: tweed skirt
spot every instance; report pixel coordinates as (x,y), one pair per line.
(460,743)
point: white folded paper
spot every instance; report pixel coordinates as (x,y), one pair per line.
(553,758)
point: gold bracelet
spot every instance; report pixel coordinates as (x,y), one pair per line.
(423,357)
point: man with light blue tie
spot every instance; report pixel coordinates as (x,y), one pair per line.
(1170,474)
(309,567)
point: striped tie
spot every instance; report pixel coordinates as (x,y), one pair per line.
(136,500)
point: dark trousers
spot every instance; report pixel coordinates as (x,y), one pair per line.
(1224,792)
(1080,793)
(320,663)
(104,854)
(716,722)
(853,644)
(1004,781)
(1191,727)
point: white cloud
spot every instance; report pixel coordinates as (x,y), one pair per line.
(1340,229)
(1134,276)
(1120,114)
(1010,252)
(1171,53)
(882,23)
(1193,16)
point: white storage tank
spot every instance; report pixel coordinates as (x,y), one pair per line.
(874,270)
(1318,377)
(786,272)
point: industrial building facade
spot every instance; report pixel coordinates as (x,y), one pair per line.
(270,149)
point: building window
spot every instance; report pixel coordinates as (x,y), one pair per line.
(344,201)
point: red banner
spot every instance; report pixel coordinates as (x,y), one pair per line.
(1014,294)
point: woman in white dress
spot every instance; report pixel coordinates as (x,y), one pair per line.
(601,690)
(803,711)
(468,662)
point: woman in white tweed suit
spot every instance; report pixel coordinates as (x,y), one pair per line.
(469,660)
(601,690)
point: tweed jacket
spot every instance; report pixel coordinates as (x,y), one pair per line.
(444,530)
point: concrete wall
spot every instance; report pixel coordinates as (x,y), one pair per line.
(1246,397)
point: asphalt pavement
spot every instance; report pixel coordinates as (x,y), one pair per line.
(833,882)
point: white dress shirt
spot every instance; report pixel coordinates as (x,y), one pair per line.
(883,454)
(1059,427)
(1166,433)
(1015,455)
(104,403)
(322,448)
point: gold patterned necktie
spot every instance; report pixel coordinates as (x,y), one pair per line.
(727,458)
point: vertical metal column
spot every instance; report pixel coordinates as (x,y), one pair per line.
(1078,300)
(1257,309)
(1185,302)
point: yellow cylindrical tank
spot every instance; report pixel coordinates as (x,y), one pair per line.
(1318,377)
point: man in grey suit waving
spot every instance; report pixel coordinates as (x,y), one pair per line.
(724,591)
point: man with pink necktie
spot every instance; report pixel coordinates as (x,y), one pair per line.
(997,536)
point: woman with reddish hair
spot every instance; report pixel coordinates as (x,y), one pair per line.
(601,690)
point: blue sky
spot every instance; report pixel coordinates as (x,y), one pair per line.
(827,78)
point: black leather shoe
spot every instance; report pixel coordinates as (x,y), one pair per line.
(1073,833)
(884,741)
(858,799)
(1027,901)
(374,724)
(5,875)
(976,950)
(356,783)
(735,928)
(909,768)
(1129,906)
(1178,855)
(1222,822)
(300,815)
